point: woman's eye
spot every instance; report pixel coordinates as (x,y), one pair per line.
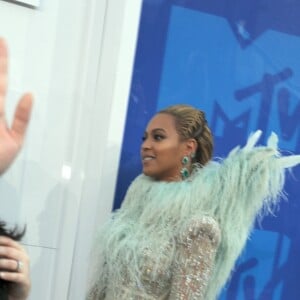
(143,138)
(158,137)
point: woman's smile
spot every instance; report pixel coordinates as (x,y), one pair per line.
(162,150)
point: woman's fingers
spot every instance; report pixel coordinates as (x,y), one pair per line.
(10,265)
(6,241)
(14,268)
(3,78)
(21,118)
(14,277)
(11,137)
(13,257)
(23,110)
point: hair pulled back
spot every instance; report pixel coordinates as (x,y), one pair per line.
(190,122)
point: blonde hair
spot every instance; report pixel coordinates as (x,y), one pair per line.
(190,122)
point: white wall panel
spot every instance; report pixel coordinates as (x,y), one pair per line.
(107,125)
(42,270)
(76,56)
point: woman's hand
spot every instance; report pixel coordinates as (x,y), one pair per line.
(14,268)
(11,138)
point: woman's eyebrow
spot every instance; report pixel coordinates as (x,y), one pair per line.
(158,129)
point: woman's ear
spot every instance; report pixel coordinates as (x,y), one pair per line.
(191,146)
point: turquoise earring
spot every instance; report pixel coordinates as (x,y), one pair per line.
(184,172)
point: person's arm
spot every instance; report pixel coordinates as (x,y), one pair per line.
(246,185)
(11,137)
(196,249)
(249,179)
(14,268)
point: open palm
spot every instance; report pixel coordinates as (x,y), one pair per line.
(11,137)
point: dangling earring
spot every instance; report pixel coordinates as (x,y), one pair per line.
(184,172)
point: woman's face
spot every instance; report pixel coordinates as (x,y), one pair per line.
(162,150)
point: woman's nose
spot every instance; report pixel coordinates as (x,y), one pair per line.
(146,144)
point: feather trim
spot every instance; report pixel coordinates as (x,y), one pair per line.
(233,191)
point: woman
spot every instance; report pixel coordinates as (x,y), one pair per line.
(185,220)
(14,261)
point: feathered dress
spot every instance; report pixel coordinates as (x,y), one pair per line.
(180,240)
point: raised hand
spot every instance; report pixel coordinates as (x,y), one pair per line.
(11,137)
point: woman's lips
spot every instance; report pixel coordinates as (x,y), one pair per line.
(148,158)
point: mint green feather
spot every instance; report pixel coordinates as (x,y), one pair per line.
(235,191)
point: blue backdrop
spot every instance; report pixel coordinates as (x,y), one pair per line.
(238,61)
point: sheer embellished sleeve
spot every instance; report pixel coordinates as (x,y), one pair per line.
(196,249)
